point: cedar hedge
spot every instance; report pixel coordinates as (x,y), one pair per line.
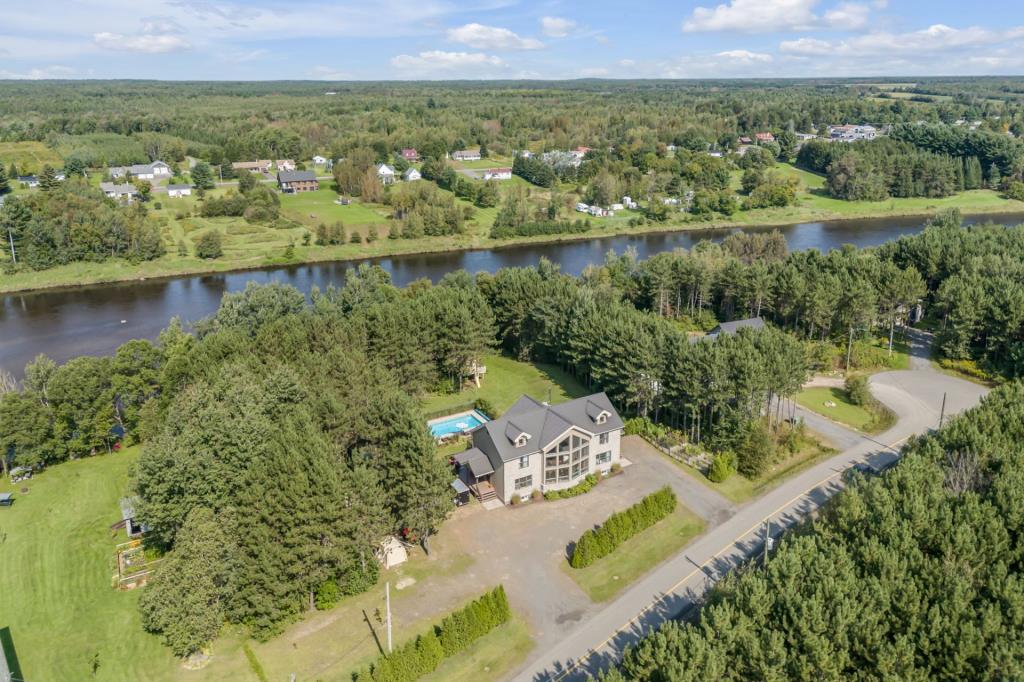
(584,486)
(423,654)
(620,526)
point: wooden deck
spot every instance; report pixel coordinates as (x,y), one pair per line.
(483,490)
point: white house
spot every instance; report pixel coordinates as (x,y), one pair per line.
(616,207)
(498,174)
(178,191)
(319,161)
(535,446)
(852,133)
(285,164)
(386,174)
(142,171)
(581,207)
(628,202)
(410,174)
(125,192)
(466,155)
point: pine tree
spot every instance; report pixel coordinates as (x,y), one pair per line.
(994,178)
(48,180)
(5,185)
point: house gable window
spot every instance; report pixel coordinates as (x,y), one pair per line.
(567,460)
(524,462)
(524,482)
(602,418)
(603,439)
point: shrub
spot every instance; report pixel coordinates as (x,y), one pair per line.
(209,245)
(756,449)
(423,654)
(484,405)
(584,486)
(327,595)
(536,494)
(644,427)
(620,526)
(857,390)
(616,467)
(723,465)
(515,500)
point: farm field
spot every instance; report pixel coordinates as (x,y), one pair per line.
(30,157)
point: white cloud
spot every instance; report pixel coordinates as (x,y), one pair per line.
(52,71)
(452,64)
(556,27)
(935,38)
(491,38)
(594,72)
(766,16)
(745,56)
(144,42)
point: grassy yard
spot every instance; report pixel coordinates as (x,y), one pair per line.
(856,417)
(483,164)
(313,208)
(56,566)
(489,658)
(505,381)
(30,157)
(608,576)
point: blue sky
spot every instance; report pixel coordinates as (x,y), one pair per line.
(443,39)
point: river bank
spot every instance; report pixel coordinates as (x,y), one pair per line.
(813,208)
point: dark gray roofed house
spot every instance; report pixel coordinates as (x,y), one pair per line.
(292,182)
(534,446)
(730,328)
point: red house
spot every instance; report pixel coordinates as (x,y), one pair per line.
(410,154)
(764,137)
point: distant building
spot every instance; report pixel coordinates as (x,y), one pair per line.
(764,137)
(498,174)
(142,171)
(319,161)
(411,174)
(580,152)
(730,328)
(386,174)
(410,154)
(178,191)
(123,192)
(261,166)
(852,133)
(28,180)
(285,164)
(296,182)
(466,155)
(745,140)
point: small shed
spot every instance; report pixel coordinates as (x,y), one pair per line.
(6,499)
(461,492)
(392,552)
(131,526)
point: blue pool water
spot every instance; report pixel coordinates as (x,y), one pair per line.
(457,423)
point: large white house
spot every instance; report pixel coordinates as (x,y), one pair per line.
(178,191)
(386,174)
(535,446)
(142,171)
(410,174)
(124,192)
(498,174)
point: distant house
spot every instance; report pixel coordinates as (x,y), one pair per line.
(534,446)
(133,527)
(628,202)
(745,140)
(29,180)
(498,174)
(319,161)
(730,328)
(142,171)
(285,164)
(466,155)
(124,192)
(764,137)
(178,191)
(261,166)
(411,174)
(410,154)
(386,174)
(852,133)
(295,182)
(580,152)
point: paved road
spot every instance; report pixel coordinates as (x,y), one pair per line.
(674,587)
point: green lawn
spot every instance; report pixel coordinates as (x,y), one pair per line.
(313,208)
(483,164)
(488,658)
(505,381)
(633,558)
(844,412)
(30,157)
(56,566)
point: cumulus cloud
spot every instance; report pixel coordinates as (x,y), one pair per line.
(150,43)
(557,27)
(491,38)
(935,38)
(766,16)
(447,63)
(745,56)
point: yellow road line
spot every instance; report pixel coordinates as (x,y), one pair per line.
(700,569)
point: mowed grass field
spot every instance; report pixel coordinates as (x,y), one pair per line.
(29,156)
(843,411)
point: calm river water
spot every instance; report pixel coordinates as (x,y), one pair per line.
(88,320)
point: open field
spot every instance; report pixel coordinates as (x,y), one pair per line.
(30,157)
(254,246)
(610,575)
(489,162)
(506,380)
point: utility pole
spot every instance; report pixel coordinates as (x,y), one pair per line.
(387,599)
(942,414)
(849,349)
(767,540)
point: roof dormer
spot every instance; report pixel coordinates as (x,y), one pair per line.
(516,435)
(597,413)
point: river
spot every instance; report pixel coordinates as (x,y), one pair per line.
(96,319)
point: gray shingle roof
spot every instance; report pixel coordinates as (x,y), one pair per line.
(736,325)
(296,176)
(478,463)
(543,423)
(179,186)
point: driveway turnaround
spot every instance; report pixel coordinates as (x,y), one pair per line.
(672,589)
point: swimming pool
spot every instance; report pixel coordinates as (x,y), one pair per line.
(456,423)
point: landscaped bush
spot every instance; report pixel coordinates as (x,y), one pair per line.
(584,486)
(422,655)
(723,465)
(484,405)
(858,391)
(208,245)
(644,427)
(621,526)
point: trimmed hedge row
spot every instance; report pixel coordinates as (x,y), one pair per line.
(458,630)
(584,486)
(620,526)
